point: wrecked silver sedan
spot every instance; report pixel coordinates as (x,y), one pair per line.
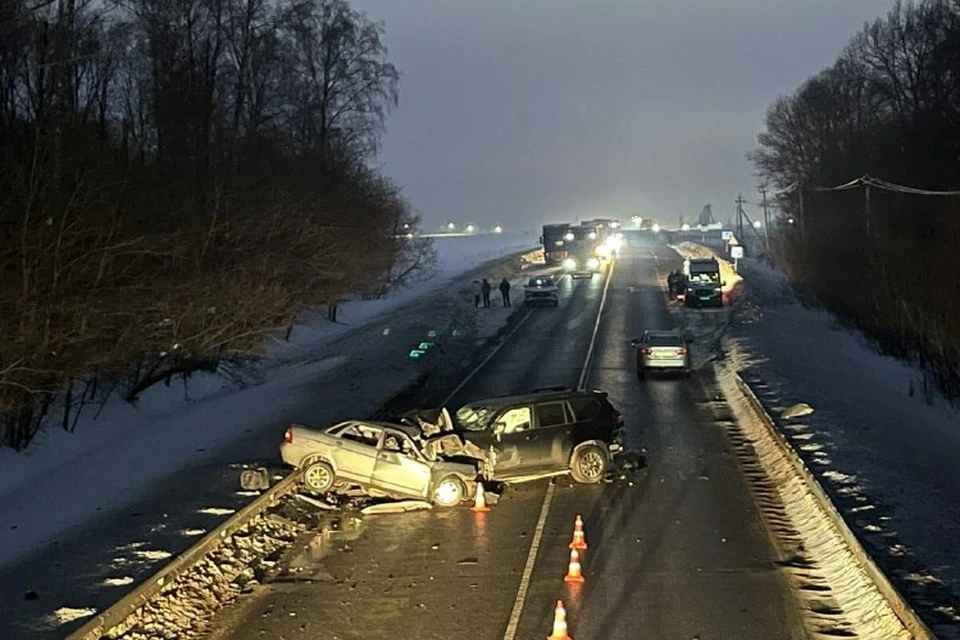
(382,459)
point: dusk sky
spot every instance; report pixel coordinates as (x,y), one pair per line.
(521,112)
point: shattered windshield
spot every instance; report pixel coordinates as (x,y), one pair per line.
(474,418)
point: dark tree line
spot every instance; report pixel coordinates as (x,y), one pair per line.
(177,178)
(883,259)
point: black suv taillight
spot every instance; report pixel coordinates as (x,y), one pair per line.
(288,435)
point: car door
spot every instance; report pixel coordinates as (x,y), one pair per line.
(400,467)
(553,435)
(355,453)
(513,434)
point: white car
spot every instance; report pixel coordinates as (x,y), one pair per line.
(541,290)
(663,351)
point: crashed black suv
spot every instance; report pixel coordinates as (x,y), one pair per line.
(547,431)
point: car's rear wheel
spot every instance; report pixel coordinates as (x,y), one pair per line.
(449,492)
(319,476)
(589,465)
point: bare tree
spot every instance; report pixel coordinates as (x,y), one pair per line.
(159,164)
(889,107)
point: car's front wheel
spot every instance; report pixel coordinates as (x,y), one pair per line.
(588,465)
(319,476)
(450,492)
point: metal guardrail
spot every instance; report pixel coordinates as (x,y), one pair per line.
(99,625)
(911,621)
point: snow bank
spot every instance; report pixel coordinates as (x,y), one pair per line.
(887,457)
(65,479)
(455,256)
(850,604)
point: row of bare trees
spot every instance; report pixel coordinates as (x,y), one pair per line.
(882,257)
(177,178)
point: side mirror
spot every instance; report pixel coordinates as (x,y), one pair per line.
(635,342)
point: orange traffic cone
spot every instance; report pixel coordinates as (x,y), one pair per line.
(559,623)
(480,503)
(579,541)
(573,571)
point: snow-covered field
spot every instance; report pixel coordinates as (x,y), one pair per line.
(888,457)
(65,479)
(455,255)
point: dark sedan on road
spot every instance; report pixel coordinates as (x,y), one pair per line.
(551,431)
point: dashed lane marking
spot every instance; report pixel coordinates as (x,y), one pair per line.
(521,598)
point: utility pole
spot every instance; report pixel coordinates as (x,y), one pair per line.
(766,218)
(739,202)
(866,208)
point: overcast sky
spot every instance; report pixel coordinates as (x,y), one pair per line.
(521,112)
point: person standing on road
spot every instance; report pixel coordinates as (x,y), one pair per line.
(477,293)
(485,290)
(505,291)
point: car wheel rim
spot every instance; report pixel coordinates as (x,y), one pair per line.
(591,465)
(318,477)
(448,493)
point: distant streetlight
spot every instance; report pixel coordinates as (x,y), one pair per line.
(790,221)
(757,224)
(685,227)
(569,237)
(451,226)
(498,229)
(470,228)
(656,228)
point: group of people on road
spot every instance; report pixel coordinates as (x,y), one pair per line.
(481,297)
(676,284)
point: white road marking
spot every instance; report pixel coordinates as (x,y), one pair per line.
(596,328)
(476,369)
(521,598)
(528,567)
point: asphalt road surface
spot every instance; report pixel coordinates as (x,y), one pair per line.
(680,552)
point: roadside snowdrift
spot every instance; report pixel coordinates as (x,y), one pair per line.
(886,456)
(117,451)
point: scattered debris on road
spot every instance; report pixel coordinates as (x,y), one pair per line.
(401,506)
(798,410)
